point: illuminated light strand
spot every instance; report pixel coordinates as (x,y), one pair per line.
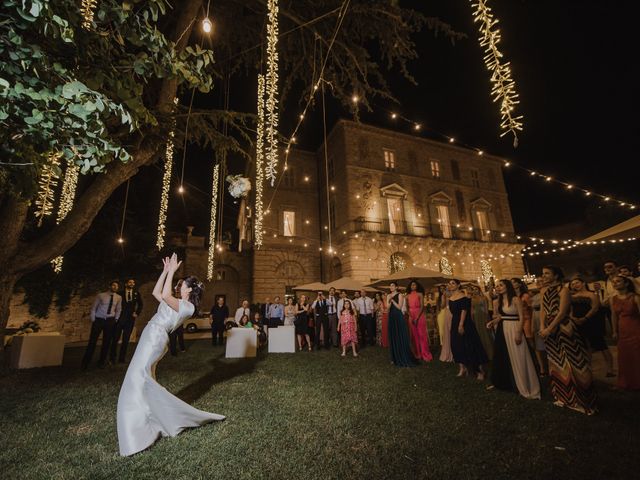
(396,264)
(67,198)
(271,90)
(445,266)
(534,174)
(212,225)
(487,271)
(503,88)
(166,185)
(46,187)
(87,9)
(259,164)
(558,247)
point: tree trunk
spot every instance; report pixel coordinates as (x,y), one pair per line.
(7,282)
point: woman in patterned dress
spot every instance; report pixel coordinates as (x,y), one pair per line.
(348,328)
(569,366)
(379,309)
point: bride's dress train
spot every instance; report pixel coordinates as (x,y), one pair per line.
(146,410)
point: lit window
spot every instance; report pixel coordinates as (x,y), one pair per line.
(289,224)
(389,160)
(435,168)
(288,178)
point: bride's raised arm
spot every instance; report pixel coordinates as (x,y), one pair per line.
(157,290)
(167,290)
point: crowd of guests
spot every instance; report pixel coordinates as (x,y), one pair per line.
(512,333)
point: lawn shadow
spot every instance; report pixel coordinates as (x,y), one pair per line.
(221,372)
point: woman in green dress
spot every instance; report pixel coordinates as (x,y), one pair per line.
(480,316)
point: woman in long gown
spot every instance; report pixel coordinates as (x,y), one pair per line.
(399,345)
(146,410)
(625,311)
(465,343)
(381,320)
(512,368)
(418,321)
(587,314)
(444,327)
(480,317)
(569,366)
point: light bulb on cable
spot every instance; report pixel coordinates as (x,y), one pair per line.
(180,189)
(207,25)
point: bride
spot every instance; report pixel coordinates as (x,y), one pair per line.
(146,410)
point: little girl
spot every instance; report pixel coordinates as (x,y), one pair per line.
(348,328)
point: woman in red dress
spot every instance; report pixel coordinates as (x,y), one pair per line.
(625,316)
(418,321)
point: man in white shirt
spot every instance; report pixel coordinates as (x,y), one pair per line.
(105,312)
(366,319)
(243,310)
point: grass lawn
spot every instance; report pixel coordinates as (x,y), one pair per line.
(308,416)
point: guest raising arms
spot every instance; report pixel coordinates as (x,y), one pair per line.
(399,346)
(625,310)
(418,321)
(465,343)
(512,366)
(569,368)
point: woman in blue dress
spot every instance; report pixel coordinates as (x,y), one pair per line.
(399,345)
(466,346)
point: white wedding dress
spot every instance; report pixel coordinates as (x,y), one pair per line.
(146,410)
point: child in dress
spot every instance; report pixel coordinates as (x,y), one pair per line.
(348,328)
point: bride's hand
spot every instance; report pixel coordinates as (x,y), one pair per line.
(174,264)
(165,264)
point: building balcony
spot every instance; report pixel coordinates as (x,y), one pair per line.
(435,230)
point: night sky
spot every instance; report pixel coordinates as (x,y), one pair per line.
(573,64)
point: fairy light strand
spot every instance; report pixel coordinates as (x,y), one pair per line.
(271,90)
(166,185)
(87,9)
(259,163)
(503,88)
(67,198)
(212,224)
(46,188)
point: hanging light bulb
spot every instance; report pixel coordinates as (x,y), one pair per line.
(181,189)
(207,25)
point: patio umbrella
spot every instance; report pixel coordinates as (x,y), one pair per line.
(346,283)
(312,287)
(425,276)
(625,230)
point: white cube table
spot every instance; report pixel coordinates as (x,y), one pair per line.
(241,343)
(282,339)
(37,350)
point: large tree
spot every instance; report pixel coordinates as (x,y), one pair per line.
(102,95)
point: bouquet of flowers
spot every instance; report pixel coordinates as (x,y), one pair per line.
(239,186)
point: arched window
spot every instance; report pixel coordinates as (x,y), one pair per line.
(398,262)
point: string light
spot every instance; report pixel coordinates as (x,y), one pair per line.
(272,92)
(259,162)
(504,87)
(124,212)
(396,263)
(207,26)
(67,198)
(212,224)
(166,184)
(46,187)
(87,9)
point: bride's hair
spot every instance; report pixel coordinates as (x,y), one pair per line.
(197,288)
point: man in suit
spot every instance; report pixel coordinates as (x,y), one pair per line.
(367,320)
(219,313)
(320,313)
(105,312)
(332,314)
(264,311)
(131,308)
